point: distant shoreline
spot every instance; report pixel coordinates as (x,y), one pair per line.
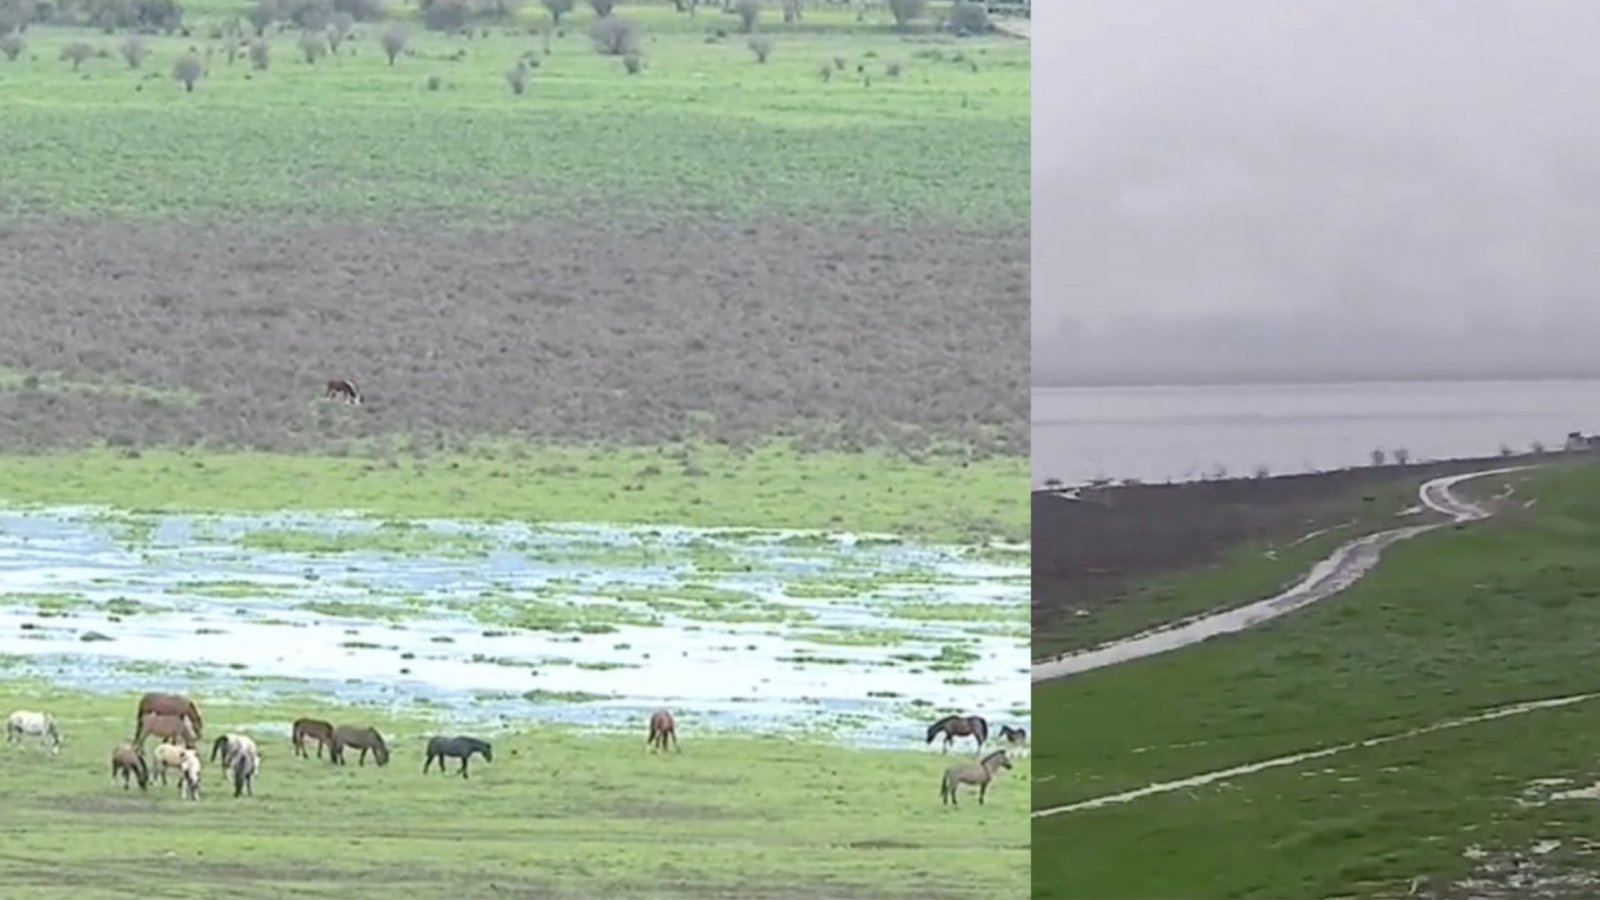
(1211,381)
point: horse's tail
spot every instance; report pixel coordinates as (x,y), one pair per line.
(945,787)
(980,727)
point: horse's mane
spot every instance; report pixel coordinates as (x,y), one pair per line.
(985,761)
(935,728)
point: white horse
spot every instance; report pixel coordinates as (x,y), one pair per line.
(26,723)
(230,746)
(244,765)
(189,772)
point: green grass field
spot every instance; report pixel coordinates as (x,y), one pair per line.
(1449,624)
(556,814)
(703,130)
(772,487)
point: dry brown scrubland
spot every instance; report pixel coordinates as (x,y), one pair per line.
(841,336)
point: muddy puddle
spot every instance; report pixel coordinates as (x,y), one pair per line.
(864,639)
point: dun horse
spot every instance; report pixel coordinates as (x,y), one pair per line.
(167,705)
(460,748)
(952,727)
(343,388)
(662,728)
(316,729)
(243,765)
(128,762)
(978,773)
(363,739)
(171,730)
(26,723)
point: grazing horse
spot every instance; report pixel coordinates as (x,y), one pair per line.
(321,731)
(167,705)
(1016,737)
(952,727)
(244,765)
(363,739)
(26,723)
(662,727)
(230,745)
(458,747)
(979,773)
(189,775)
(169,756)
(171,730)
(343,387)
(129,763)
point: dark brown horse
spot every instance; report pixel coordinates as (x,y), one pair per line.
(663,727)
(167,705)
(1016,737)
(343,388)
(170,729)
(128,762)
(952,727)
(314,729)
(362,739)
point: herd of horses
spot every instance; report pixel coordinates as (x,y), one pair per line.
(175,721)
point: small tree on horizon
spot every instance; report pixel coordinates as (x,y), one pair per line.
(749,12)
(603,8)
(76,52)
(134,52)
(187,71)
(907,11)
(616,36)
(557,9)
(394,42)
(314,46)
(12,46)
(761,46)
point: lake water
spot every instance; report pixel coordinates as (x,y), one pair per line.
(1184,433)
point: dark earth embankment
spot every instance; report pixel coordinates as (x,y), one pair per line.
(1092,551)
(838,336)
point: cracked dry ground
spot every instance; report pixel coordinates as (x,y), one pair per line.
(844,336)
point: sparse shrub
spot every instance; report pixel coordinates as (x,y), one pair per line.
(1378,457)
(77,52)
(557,9)
(892,70)
(187,71)
(394,42)
(1537,447)
(134,52)
(313,46)
(445,15)
(1402,456)
(263,14)
(360,10)
(1262,470)
(603,8)
(260,54)
(749,11)
(339,30)
(309,15)
(761,46)
(793,11)
(616,36)
(518,78)
(907,11)
(825,73)
(12,46)
(1505,450)
(434,83)
(633,63)
(968,18)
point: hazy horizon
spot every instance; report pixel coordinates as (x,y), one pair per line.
(1248,190)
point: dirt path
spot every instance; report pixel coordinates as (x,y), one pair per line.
(1165,787)
(1344,567)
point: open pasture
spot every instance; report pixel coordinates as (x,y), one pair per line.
(556,814)
(1449,625)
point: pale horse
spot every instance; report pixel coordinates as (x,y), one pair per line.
(230,746)
(190,774)
(26,723)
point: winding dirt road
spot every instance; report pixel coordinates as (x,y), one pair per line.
(1342,568)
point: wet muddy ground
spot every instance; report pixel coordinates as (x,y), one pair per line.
(867,639)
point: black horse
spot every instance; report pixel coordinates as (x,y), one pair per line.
(461,748)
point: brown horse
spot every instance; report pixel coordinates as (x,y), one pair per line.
(314,729)
(167,705)
(363,739)
(345,388)
(129,763)
(952,727)
(171,730)
(663,727)
(1016,737)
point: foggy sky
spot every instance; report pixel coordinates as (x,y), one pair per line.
(1315,187)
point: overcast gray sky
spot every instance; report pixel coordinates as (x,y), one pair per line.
(1315,184)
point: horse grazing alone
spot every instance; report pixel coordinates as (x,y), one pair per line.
(345,388)
(26,723)
(1016,737)
(320,731)
(231,745)
(167,705)
(952,727)
(460,748)
(129,763)
(979,773)
(363,739)
(243,765)
(189,775)
(171,730)
(662,728)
